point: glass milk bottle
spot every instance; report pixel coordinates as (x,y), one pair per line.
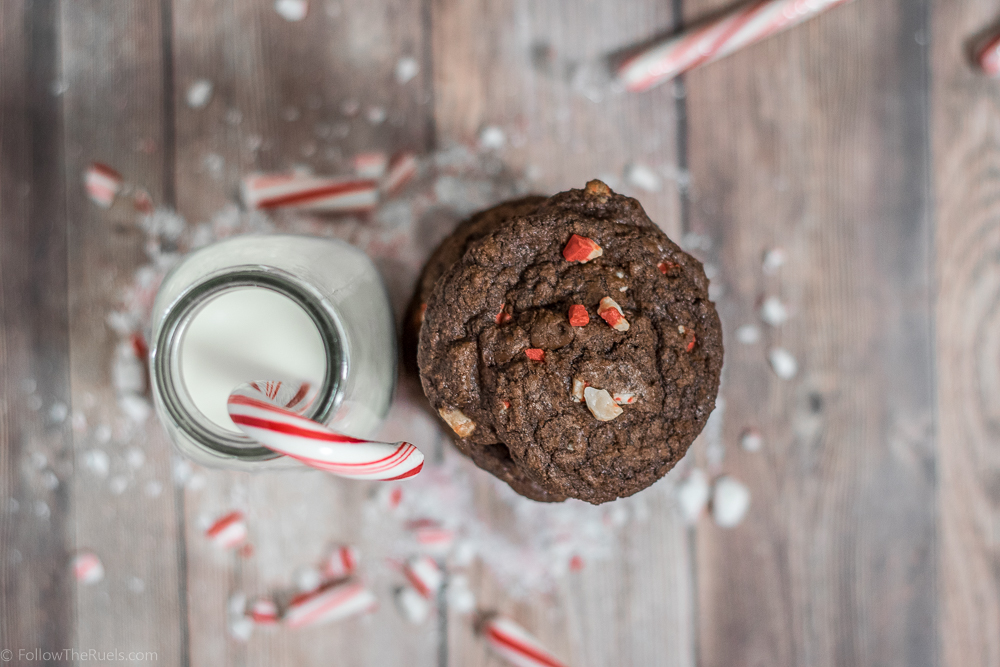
(276,307)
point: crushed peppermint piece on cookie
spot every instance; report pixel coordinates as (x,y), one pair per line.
(623,398)
(611,312)
(581,249)
(535,354)
(578,316)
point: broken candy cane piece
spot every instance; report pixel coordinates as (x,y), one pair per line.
(87,568)
(402,169)
(666,267)
(691,340)
(503,317)
(370,165)
(340,563)
(577,392)
(751,440)
(578,316)
(611,312)
(330,603)
(513,643)
(102,183)
(292,10)
(535,354)
(623,398)
(459,423)
(309,193)
(411,605)
(431,535)
(264,612)
(581,249)
(424,574)
(600,404)
(692,495)
(988,57)
(228,531)
(730,502)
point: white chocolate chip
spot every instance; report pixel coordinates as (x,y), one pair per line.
(600,404)
(459,423)
(578,387)
(623,398)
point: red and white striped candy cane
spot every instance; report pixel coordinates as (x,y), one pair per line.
(717,39)
(328,604)
(228,531)
(102,183)
(262,411)
(425,575)
(341,563)
(310,193)
(988,57)
(87,568)
(516,646)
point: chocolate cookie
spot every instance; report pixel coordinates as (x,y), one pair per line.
(573,350)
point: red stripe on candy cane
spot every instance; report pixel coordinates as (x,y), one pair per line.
(674,55)
(331,603)
(256,408)
(306,191)
(518,647)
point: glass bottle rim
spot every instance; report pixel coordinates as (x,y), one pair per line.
(165,355)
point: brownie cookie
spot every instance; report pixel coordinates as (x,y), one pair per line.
(573,349)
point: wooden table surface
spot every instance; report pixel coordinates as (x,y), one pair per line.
(863,143)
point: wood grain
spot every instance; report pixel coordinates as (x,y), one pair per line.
(112,72)
(286,95)
(966,132)
(517,66)
(36,524)
(816,141)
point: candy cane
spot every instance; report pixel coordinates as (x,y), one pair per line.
(228,531)
(341,563)
(264,612)
(311,193)
(989,57)
(425,575)
(516,646)
(102,183)
(328,604)
(666,59)
(87,568)
(263,412)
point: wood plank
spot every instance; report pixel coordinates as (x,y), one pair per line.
(289,94)
(816,141)
(112,73)
(966,128)
(36,526)
(516,66)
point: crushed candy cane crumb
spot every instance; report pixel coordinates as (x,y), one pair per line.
(535,354)
(581,249)
(578,316)
(611,312)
